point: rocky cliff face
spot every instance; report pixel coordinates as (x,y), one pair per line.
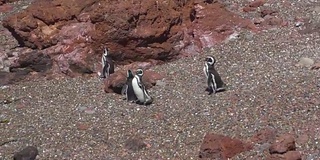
(73,33)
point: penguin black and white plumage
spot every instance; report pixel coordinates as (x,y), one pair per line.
(140,89)
(107,64)
(215,83)
(127,89)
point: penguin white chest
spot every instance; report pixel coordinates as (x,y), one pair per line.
(205,70)
(137,90)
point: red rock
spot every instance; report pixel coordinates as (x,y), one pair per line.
(215,146)
(265,12)
(82,126)
(73,33)
(248,9)
(115,82)
(293,155)
(5,8)
(266,135)
(283,144)
(257,3)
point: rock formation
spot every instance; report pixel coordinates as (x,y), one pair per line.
(73,33)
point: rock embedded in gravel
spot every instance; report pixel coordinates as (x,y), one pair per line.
(135,144)
(305,62)
(283,144)
(28,153)
(215,146)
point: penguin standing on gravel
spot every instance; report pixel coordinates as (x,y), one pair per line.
(127,89)
(140,89)
(215,83)
(107,64)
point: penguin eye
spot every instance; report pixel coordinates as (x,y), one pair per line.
(139,72)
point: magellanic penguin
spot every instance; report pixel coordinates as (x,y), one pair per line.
(107,64)
(215,83)
(140,89)
(127,89)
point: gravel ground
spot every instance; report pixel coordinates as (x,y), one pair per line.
(75,119)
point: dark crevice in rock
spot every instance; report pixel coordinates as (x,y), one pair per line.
(19,39)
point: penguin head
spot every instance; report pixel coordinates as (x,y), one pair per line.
(105,52)
(129,74)
(210,60)
(139,72)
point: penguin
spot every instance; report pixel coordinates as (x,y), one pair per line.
(140,89)
(215,83)
(127,89)
(107,64)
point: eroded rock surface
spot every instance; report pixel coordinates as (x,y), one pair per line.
(73,33)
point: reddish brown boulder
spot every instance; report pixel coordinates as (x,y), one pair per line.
(73,33)
(215,146)
(283,144)
(115,82)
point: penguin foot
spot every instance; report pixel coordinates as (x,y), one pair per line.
(101,78)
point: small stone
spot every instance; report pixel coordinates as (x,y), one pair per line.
(28,153)
(305,62)
(135,144)
(82,126)
(82,108)
(89,111)
(298,24)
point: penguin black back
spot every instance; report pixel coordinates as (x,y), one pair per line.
(129,92)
